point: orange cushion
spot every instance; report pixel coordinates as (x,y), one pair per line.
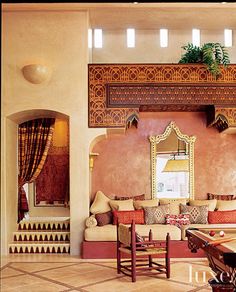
(126,217)
(222,216)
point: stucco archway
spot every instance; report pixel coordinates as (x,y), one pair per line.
(10,168)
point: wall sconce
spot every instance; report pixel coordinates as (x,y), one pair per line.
(35,73)
(91,159)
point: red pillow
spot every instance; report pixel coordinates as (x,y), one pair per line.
(178,220)
(104,218)
(222,216)
(126,217)
(135,198)
(221,197)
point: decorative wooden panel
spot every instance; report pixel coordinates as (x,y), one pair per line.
(134,95)
(117,90)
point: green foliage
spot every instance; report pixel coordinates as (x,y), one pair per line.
(193,54)
(211,54)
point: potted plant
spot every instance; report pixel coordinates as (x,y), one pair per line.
(211,54)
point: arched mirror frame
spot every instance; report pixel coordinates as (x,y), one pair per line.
(154,140)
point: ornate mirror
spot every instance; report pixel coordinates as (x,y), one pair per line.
(172,164)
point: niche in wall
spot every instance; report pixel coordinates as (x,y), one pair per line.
(52,185)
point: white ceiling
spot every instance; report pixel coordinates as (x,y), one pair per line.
(171,16)
(177,15)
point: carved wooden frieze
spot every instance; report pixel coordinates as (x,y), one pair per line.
(134,95)
(117,90)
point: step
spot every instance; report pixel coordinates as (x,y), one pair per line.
(35,235)
(44,225)
(36,247)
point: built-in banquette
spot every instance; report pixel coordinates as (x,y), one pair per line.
(118,94)
(160,215)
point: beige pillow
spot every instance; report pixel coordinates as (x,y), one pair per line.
(172,200)
(124,205)
(91,221)
(210,203)
(100,204)
(223,205)
(146,203)
(174,205)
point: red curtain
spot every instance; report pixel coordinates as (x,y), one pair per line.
(53,182)
(34,141)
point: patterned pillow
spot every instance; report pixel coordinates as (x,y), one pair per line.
(139,238)
(222,217)
(104,218)
(156,215)
(221,197)
(126,217)
(178,220)
(135,198)
(198,214)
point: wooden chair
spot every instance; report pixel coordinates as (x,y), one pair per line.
(141,255)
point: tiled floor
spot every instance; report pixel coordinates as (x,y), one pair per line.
(53,273)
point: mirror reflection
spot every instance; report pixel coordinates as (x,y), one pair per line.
(172,164)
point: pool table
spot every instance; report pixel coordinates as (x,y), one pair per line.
(221,254)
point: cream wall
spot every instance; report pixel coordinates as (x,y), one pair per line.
(148,50)
(59,41)
(8,181)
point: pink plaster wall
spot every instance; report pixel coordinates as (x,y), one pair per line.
(123,164)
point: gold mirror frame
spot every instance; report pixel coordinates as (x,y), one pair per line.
(154,140)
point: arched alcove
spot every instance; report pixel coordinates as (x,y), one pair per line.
(9,187)
(27,115)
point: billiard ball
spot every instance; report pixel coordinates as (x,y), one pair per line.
(212,233)
(222,233)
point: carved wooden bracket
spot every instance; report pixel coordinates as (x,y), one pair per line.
(223,118)
(132,120)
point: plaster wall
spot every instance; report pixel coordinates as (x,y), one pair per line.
(123,165)
(59,41)
(147,48)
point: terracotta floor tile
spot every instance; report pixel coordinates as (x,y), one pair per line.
(69,274)
(37,288)
(8,272)
(143,283)
(24,283)
(35,267)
